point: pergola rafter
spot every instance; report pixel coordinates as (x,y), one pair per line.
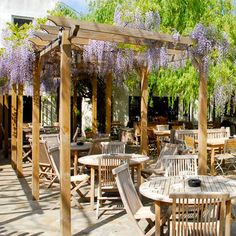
(75,34)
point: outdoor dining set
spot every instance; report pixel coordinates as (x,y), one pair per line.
(183,201)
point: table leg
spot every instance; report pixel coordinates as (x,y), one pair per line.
(139,175)
(158,145)
(75,162)
(212,161)
(92,190)
(158,218)
(228,218)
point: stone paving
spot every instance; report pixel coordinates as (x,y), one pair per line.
(20,216)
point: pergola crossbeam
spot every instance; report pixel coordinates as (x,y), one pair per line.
(117,30)
(50,47)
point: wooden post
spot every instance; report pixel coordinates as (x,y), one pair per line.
(75,107)
(94,104)
(6,134)
(144,110)
(65,117)
(19,167)
(108,103)
(35,129)
(1,120)
(202,121)
(13,126)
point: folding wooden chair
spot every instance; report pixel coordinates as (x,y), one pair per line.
(133,204)
(77,181)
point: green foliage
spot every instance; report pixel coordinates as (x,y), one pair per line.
(61,9)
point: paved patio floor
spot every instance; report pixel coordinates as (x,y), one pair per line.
(20,216)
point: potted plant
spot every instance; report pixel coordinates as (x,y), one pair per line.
(88,132)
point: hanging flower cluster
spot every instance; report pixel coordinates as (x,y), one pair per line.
(209,39)
(102,57)
(16,61)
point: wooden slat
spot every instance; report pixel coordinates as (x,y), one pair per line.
(49,48)
(39,42)
(50,29)
(1,121)
(144,110)
(45,36)
(94,104)
(19,168)
(13,126)
(202,121)
(110,29)
(108,103)
(35,129)
(6,130)
(65,118)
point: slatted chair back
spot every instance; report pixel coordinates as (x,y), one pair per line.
(52,139)
(162,127)
(167,149)
(43,153)
(198,214)
(54,155)
(96,147)
(180,165)
(230,146)
(113,147)
(189,144)
(106,164)
(127,190)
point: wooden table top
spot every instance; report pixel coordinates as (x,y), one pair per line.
(75,147)
(161,132)
(159,188)
(93,160)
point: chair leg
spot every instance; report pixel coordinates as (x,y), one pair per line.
(97,209)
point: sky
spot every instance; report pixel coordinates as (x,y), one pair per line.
(80,6)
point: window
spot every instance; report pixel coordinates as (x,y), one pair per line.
(20,20)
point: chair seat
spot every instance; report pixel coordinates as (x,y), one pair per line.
(225,156)
(144,212)
(79,178)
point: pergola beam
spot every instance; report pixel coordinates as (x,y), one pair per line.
(117,30)
(55,45)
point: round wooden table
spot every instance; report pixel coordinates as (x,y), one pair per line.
(159,189)
(92,161)
(76,149)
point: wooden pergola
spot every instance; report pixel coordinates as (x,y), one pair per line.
(62,37)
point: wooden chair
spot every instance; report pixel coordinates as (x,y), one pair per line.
(46,171)
(77,181)
(113,147)
(96,147)
(133,204)
(199,214)
(158,168)
(189,144)
(162,127)
(51,139)
(180,165)
(106,182)
(228,158)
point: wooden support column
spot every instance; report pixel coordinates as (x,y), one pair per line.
(35,129)
(144,110)
(65,117)
(13,126)
(75,107)
(94,104)
(19,167)
(1,120)
(202,121)
(108,103)
(6,131)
